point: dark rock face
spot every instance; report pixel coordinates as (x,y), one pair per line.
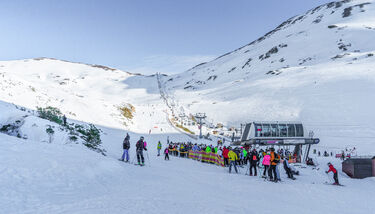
(247,63)
(348,11)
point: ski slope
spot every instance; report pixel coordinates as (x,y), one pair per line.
(53,178)
(317,68)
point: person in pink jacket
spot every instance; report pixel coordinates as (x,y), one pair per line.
(166,151)
(266,163)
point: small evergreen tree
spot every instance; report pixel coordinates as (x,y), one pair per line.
(50,113)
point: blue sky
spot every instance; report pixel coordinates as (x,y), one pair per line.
(144,36)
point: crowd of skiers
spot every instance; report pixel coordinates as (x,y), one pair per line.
(267,160)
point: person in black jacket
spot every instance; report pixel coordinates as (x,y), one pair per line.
(254,159)
(140,146)
(288,169)
(126,147)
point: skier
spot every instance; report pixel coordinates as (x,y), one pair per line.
(287,168)
(126,147)
(225,155)
(159,148)
(140,146)
(64,120)
(245,157)
(274,160)
(254,158)
(208,149)
(241,155)
(334,171)
(166,151)
(233,158)
(266,163)
(277,167)
(220,152)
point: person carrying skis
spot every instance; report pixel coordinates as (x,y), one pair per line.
(334,171)
(159,148)
(140,146)
(232,158)
(126,147)
(254,158)
(166,151)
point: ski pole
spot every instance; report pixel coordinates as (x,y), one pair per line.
(238,168)
(132,161)
(329,178)
(149,162)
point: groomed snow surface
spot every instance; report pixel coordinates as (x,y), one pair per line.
(50,178)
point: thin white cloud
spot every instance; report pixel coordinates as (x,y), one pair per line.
(168,64)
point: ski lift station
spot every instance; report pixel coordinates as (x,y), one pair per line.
(278,134)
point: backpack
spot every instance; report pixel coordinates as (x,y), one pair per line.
(277,158)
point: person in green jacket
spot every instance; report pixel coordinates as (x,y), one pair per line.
(208,149)
(244,156)
(215,150)
(159,148)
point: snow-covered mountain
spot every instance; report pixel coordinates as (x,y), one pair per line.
(317,68)
(88,93)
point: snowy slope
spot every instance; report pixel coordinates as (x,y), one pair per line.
(87,93)
(70,179)
(317,68)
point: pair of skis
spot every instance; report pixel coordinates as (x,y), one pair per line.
(128,162)
(334,184)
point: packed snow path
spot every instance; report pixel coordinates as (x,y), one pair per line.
(71,179)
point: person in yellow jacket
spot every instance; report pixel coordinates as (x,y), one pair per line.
(232,158)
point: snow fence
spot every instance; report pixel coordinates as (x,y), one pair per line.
(207,157)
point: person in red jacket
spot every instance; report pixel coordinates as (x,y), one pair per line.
(332,169)
(225,155)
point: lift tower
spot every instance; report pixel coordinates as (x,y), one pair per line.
(200,117)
